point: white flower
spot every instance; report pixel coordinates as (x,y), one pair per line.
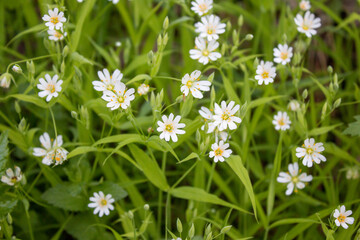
(5,80)
(265,73)
(191,83)
(16,68)
(118,44)
(50,87)
(225,116)
(56,35)
(114,1)
(55,19)
(12,178)
(119,97)
(308,24)
(209,118)
(281,121)
(80,1)
(342,217)
(294,105)
(101,203)
(107,81)
(169,127)
(305,5)
(52,152)
(143,89)
(219,151)
(311,152)
(210,27)
(294,180)
(201,6)
(204,51)
(176,238)
(283,54)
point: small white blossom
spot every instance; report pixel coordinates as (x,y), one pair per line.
(210,27)
(342,217)
(169,127)
(16,68)
(305,5)
(294,105)
(107,81)
(191,83)
(51,151)
(55,19)
(283,54)
(114,1)
(220,151)
(119,97)
(201,7)
(307,24)
(101,203)
(56,35)
(143,89)
(11,178)
(225,116)
(294,180)
(5,80)
(265,73)
(118,44)
(205,51)
(208,118)
(281,121)
(50,87)
(310,152)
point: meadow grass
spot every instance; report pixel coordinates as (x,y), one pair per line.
(165,190)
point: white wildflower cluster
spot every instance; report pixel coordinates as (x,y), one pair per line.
(55,22)
(208,28)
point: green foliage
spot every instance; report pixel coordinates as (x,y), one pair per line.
(354,127)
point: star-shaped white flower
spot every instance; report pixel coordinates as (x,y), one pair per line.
(305,5)
(191,83)
(119,97)
(208,118)
(56,35)
(307,24)
(169,127)
(310,152)
(205,51)
(220,151)
(51,151)
(283,54)
(143,89)
(294,180)
(265,73)
(281,121)
(107,81)
(10,178)
(225,116)
(50,87)
(55,19)
(101,203)
(201,7)
(342,217)
(210,27)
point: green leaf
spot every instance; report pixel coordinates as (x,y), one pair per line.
(6,206)
(150,167)
(198,194)
(4,151)
(237,166)
(264,100)
(190,156)
(156,143)
(119,138)
(322,130)
(112,188)
(28,98)
(354,127)
(139,77)
(66,196)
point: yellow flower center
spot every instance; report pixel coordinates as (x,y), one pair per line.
(281,122)
(265,74)
(110,87)
(225,116)
(309,150)
(103,202)
(189,83)
(205,53)
(58,35)
(218,152)
(305,27)
(51,88)
(341,218)
(202,7)
(303,5)
(210,31)
(13,179)
(284,55)
(295,179)
(169,128)
(54,20)
(121,99)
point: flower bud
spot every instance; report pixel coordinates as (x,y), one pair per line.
(30,67)
(330,69)
(225,229)
(305,94)
(16,68)
(166,23)
(249,37)
(240,20)
(65,51)
(192,231)
(179,225)
(146,207)
(337,103)
(5,80)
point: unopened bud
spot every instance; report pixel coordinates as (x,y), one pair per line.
(166,23)
(159,40)
(146,207)
(337,103)
(226,229)
(240,20)
(305,94)
(16,68)
(65,51)
(192,231)
(5,80)
(249,37)
(330,69)
(179,225)
(74,114)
